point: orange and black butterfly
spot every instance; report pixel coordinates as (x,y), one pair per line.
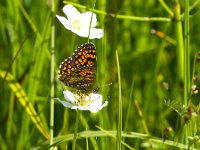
(78,71)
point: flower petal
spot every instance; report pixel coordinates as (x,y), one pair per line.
(85,19)
(96,103)
(95,96)
(71,12)
(82,32)
(80,107)
(65,22)
(80,23)
(94,33)
(96,108)
(65,103)
(105,104)
(69,96)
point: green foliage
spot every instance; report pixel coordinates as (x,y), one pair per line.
(158,60)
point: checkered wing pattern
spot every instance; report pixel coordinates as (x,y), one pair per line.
(78,71)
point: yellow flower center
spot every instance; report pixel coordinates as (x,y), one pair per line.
(76,24)
(81,100)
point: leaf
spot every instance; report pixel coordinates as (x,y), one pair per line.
(24,101)
(176,106)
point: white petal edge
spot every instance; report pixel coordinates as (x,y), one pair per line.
(65,22)
(95,108)
(69,96)
(80,107)
(95,96)
(85,19)
(65,103)
(94,33)
(71,12)
(96,102)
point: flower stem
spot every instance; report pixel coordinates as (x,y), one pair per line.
(52,75)
(91,21)
(119,130)
(170,12)
(187,54)
(76,129)
(125,17)
(179,38)
(187,61)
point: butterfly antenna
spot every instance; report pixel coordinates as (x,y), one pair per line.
(96,89)
(107,84)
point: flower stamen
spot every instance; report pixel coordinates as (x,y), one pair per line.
(76,24)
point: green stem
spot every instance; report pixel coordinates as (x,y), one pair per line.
(187,60)
(170,12)
(76,129)
(179,38)
(52,75)
(195,4)
(91,21)
(125,17)
(119,130)
(129,105)
(187,54)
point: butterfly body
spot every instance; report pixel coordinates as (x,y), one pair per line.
(78,71)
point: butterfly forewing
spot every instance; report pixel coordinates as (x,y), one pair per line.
(78,71)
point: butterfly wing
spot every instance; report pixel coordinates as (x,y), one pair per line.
(78,72)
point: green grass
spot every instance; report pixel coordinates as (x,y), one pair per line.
(149,52)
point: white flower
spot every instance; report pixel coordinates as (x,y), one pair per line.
(80,23)
(91,102)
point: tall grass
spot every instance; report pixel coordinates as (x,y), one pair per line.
(52,76)
(155,72)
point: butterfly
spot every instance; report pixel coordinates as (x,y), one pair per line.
(78,71)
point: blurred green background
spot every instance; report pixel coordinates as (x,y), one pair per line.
(150,79)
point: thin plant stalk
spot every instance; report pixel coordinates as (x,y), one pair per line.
(76,129)
(141,115)
(93,141)
(179,38)
(187,61)
(87,144)
(119,130)
(129,106)
(187,54)
(91,21)
(124,17)
(129,109)
(52,75)
(11,105)
(169,11)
